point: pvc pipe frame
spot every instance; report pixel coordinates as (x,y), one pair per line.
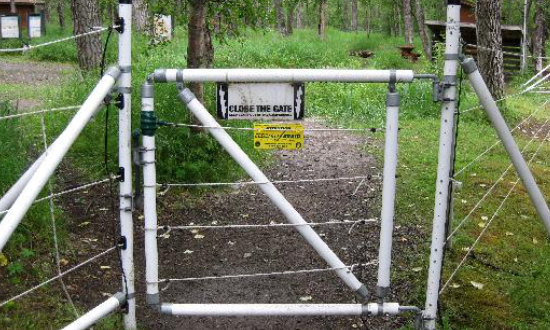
(388,192)
(442,185)
(11,195)
(283,75)
(58,149)
(236,310)
(491,108)
(125,162)
(235,151)
(107,307)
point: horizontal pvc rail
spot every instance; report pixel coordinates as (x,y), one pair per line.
(11,195)
(491,108)
(224,310)
(58,149)
(101,311)
(283,75)
(202,114)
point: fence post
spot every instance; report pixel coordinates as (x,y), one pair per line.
(125,160)
(388,191)
(446,141)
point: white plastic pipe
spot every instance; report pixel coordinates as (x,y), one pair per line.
(200,112)
(282,75)
(491,108)
(11,195)
(388,194)
(442,185)
(101,311)
(150,203)
(125,161)
(236,310)
(58,149)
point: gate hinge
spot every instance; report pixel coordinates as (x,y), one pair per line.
(119,23)
(441,87)
(121,174)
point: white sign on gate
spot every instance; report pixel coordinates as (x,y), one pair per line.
(162,28)
(35,26)
(278,101)
(10,27)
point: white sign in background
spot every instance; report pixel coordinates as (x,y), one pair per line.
(35,26)
(163,27)
(261,100)
(10,27)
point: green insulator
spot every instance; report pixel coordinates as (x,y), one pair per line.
(149,123)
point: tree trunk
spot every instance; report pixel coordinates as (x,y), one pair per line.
(322,19)
(195,43)
(280,16)
(345,15)
(489,41)
(300,16)
(13,9)
(422,29)
(141,16)
(290,12)
(61,13)
(398,26)
(409,27)
(86,15)
(354,14)
(539,38)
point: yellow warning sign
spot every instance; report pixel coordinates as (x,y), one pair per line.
(279,136)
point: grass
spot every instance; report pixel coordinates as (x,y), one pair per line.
(510,261)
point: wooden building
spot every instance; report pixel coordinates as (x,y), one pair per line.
(512,37)
(24,9)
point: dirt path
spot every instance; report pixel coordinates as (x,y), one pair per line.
(30,75)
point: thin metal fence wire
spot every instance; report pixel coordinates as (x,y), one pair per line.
(490,190)
(337,129)
(68,271)
(498,141)
(271,225)
(282,273)
(453,274)
(213,184)
(68,191)
(68,108)
(54,227)
(30,47)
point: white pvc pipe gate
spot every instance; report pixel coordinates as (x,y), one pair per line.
(55,153)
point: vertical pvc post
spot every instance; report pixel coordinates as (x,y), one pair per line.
(150,195)
(388,192)
(446,141)
(200,112)
(125,160)
(491,108)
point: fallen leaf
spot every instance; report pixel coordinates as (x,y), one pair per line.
(483,185)
(3,260)
(484,218)
(466,249)
(214,222)
(247,255)
(417,269)
(477,285)
(481,224)
(187,252)
(535,241)
(85,223)
(306,298)
(509,233)
(464,201)
(105,267)
(516,259)
(199,236)
(231,243)
(455,286)
(194,231)
(63,262)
